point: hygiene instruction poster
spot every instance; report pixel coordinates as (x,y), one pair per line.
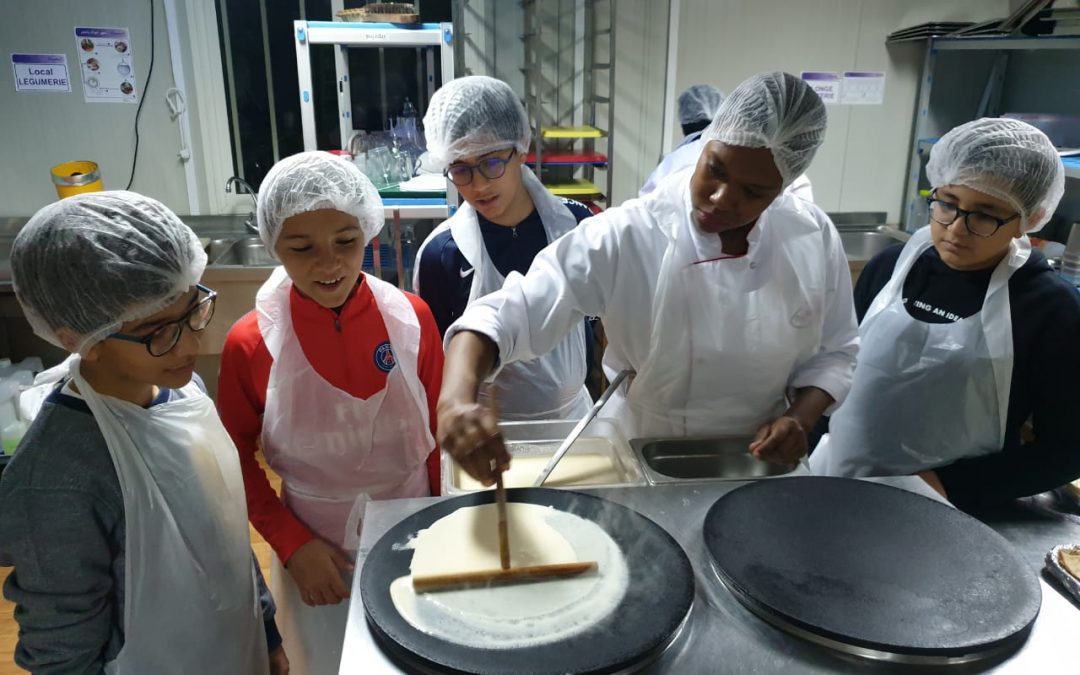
(825,83)
(863,88)
(853,87)
(106,65)
(40,72)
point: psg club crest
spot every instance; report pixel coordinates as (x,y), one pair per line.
(384,357)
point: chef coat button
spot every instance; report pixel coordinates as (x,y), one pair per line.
(753,265)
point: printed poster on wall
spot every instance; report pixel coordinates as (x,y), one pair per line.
(40,72)
(825,83)
(863,88)
(106,67)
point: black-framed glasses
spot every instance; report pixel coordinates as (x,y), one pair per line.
(978,223)
(165,337)
(490,168)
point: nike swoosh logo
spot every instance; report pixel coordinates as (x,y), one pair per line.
(465,273)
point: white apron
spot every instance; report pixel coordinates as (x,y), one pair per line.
(725,338)
(191,603)
(335,452)
(924,394)
(32,398)
(551,386)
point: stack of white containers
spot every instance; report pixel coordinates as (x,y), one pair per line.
(14,379)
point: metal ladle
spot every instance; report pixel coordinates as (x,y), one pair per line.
(576,431)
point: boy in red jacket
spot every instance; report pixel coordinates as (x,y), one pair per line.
(336,375)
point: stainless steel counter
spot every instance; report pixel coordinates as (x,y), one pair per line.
(720,634)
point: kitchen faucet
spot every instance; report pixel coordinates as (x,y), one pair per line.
(250,223)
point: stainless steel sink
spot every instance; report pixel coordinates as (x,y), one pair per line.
(217,248)
(246,252)
(676,460)
(866,245)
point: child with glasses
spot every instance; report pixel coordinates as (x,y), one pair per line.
(477,131)
(967,333)
(122,511)
(335,376)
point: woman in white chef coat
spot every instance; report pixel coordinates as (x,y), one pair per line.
(968,333)
(730,299)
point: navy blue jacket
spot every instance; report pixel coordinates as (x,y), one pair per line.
(444,273)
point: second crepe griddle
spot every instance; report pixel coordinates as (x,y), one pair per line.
(872,570)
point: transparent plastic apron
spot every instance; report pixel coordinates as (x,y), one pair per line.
(191,603)
(335,452)
(924,394)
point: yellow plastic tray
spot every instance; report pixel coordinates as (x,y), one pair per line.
(576,188)
(571,132)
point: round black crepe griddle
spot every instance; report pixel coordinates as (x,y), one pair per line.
(872,570)
(658,596)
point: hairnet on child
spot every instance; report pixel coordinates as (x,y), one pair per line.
(1004,158)
(777,111)
(90,262)
(699,103)
(309,181)
(473,116)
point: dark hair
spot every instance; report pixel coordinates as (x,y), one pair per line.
(690,128)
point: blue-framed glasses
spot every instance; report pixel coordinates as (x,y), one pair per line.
(490,168)
(165,337)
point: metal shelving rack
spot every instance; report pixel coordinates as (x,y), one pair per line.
(967,78)
(343,36)
(346,35)
(596,117)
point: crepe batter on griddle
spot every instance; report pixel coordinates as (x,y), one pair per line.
(507,617)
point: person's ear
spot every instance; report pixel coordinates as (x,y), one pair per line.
(68,338)
(1033,217)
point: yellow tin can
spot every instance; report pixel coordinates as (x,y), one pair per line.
(72,178)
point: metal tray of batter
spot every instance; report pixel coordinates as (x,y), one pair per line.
(604,458)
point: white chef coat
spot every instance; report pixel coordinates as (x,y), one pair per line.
(610,267)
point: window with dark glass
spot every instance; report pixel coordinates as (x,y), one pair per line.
(259,59)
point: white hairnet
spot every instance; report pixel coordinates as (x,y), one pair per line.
(90,262)
(309,181)
(777,111)
(473,116)
(1004,158)
(699,103)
